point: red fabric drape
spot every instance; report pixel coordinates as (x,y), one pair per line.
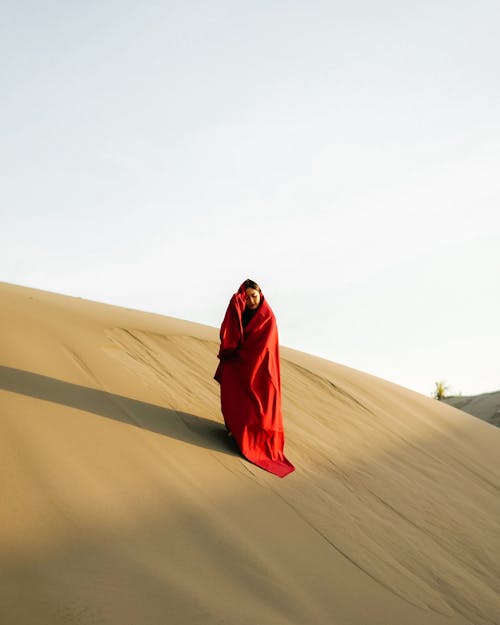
(249,378)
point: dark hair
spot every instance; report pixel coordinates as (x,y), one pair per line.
(250,284)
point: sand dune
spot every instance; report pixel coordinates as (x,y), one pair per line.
(125,503)
(485,406)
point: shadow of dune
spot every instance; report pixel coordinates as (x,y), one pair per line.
(182,426)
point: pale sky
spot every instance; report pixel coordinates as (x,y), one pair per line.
(346,155)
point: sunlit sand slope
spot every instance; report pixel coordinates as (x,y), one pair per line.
(124,503)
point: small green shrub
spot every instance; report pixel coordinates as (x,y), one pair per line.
(440,390)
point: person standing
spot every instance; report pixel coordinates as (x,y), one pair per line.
(250,380)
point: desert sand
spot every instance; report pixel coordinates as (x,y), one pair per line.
(485,406)
(124,502)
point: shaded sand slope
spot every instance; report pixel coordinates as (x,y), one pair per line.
(125,503)
(485,406)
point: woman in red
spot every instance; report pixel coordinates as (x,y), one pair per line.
(249,378)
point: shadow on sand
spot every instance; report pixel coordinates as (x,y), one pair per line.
(182,426)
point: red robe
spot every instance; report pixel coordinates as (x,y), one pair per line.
(249,378)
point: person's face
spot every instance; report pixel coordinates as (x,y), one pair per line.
(253,298)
